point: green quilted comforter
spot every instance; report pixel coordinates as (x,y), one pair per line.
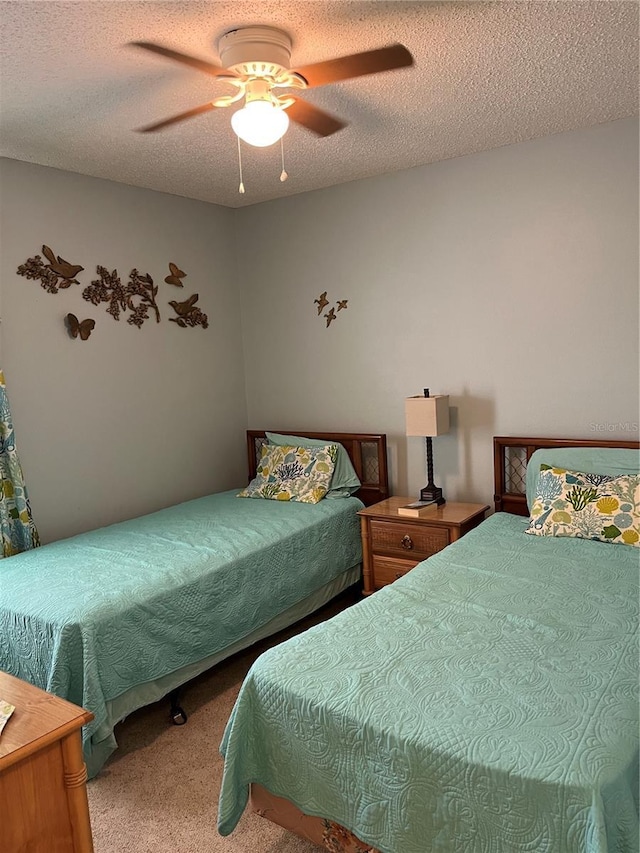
(91,617)
(487,702)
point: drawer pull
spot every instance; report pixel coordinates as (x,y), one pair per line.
(406,542)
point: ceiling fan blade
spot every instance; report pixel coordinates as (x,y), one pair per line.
(196,111)
(355,65)
(313,118)
(184,58)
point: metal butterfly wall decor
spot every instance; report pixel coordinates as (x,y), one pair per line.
(175,275)
(79,328)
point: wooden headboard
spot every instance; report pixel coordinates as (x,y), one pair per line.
(510,457)
(367,451)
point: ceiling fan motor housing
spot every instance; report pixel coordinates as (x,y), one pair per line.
(255,51)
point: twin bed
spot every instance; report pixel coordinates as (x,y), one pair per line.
(117,618)
(486,702)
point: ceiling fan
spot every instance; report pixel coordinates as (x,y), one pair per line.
(255,61)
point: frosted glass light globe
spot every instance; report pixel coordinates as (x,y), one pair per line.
(260,123)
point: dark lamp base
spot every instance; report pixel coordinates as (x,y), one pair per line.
(433,494)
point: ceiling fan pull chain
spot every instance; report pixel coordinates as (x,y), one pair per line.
(283,174)
(241,187)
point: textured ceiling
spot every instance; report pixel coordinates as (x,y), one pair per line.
(485,75)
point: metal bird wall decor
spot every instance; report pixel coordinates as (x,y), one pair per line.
(331,314)
(57,274)
(188,313)
(321,302)
(61,267)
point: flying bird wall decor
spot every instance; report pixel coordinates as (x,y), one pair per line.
(321,302)
(331,315)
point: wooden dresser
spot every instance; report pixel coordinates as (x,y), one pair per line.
(43,795)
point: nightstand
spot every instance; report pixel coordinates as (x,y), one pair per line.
(393,544)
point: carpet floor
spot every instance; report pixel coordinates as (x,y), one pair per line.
(158,793)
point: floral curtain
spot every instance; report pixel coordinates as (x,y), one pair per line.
(16,523)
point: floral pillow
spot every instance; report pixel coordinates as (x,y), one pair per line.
(293,473)
(587,506)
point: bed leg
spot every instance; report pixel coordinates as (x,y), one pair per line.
(177,715)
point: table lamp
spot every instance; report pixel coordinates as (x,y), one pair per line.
(428,416)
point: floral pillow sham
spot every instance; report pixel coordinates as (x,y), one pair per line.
(344,481)
(586,506)
(287,473)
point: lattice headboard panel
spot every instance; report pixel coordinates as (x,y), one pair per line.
(367,451)
(510,458)
(515,469)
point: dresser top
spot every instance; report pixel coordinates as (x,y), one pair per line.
(39,718)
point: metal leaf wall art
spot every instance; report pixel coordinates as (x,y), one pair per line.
(141,286)
(121,298)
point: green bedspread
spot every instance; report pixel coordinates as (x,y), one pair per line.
(91,617)
(487,702)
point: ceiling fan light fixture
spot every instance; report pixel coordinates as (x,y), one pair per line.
(256,61)
(260,123)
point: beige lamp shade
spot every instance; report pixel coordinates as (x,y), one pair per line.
(427,416)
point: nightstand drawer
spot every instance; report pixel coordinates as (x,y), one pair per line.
(387,570)
(408,540)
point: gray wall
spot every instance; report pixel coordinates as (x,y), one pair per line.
(506,279)
(132,419)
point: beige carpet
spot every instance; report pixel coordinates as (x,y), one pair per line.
(158,793)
